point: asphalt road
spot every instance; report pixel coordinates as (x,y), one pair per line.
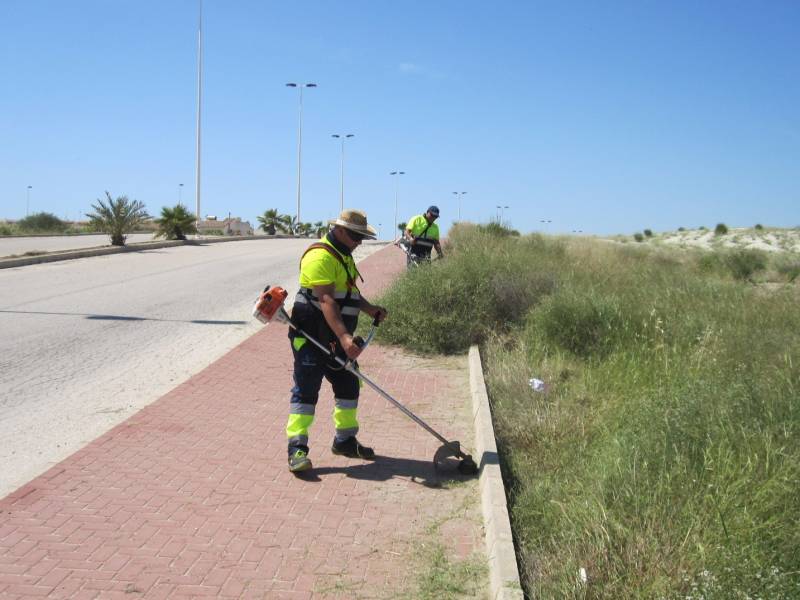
(20,245)
(86,343)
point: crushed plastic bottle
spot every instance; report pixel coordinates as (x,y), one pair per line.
(537,385)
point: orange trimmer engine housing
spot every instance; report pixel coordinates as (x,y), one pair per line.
(269,304)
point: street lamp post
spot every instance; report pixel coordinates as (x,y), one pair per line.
(459,194)
(180,193)
(300,87)
(28,199)
(199,114)
(500,213)
(545,223)
(343,137)
(396,184)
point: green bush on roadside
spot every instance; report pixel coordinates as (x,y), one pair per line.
(42,222)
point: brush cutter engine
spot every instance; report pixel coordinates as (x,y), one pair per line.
(269,304)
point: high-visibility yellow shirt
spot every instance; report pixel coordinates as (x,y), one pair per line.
(320,267)
(418,224)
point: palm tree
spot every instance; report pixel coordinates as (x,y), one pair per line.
(290,223)
(118,217)
(320,229)
(271,222)
(304,229)
(175,223)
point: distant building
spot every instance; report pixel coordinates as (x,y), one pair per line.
(231,226)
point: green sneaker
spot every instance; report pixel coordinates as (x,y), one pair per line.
(299,461)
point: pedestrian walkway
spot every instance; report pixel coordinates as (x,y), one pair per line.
(191,497)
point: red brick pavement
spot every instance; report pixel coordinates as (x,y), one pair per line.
(191,497)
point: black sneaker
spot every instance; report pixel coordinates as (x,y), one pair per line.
(299,461)
(352,449)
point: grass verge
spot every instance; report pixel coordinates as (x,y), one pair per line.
(664,459)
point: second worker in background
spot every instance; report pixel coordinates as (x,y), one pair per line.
(422,235)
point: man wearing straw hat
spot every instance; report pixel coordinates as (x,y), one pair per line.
(327,307)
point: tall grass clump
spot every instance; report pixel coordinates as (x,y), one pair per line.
(485,284)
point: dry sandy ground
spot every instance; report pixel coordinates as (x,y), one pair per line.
(768,239)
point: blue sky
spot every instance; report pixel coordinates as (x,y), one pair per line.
(608,117)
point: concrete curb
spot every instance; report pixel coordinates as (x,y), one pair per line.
(504,581)
(7,263)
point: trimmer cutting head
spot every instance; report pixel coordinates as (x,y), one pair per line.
(466,465)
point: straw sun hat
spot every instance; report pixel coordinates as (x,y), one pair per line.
(355,220)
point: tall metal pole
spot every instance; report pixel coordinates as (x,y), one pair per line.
(342,137)
(299,154)
(459,194)
(300,141)
(28,199)
(396,185)
(199,114)
(180,193)
(341,177)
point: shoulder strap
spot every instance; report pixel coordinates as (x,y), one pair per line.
(351,281)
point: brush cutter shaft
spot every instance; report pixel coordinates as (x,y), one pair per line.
(350,367)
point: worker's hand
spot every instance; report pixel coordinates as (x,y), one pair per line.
(378,313)
(351,349)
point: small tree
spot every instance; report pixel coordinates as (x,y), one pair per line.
(401,227)
(117,217)
(759,227)
(638,237)
(720,229)
(175,223)
(648,233)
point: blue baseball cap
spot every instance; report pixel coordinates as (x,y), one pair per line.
(434,210)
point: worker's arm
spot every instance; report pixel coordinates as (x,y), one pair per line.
(438,247)
(410,236)
(333,316)
(376,312)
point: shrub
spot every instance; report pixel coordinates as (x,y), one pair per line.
(584,325)
(42,222)
(702,228)
(638,237)
(788,266)
(681,228)
(759,227)
(496,229)
(488,283)
(6,229)
(720,229)
(648,233)
(744,263)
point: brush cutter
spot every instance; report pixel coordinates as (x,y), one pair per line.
(269,308)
